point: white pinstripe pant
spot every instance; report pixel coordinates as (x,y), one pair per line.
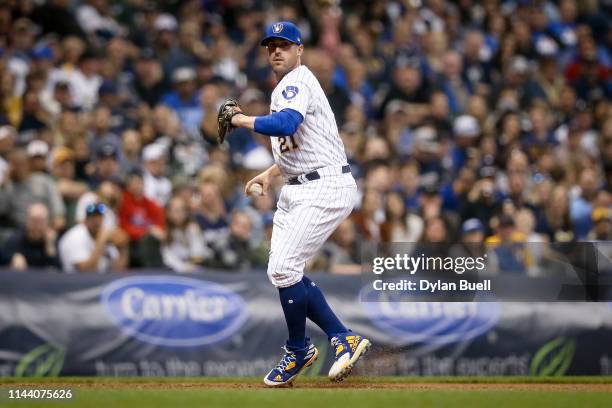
(307,214)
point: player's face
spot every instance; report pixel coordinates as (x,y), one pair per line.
(283,55)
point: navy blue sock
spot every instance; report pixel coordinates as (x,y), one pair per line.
(320,312)
(294,300)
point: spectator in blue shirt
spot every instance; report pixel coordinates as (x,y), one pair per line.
(184,99)
(581,207)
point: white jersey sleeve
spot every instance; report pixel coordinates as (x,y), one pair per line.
(294,95)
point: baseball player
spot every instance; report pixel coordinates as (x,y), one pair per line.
(318,194)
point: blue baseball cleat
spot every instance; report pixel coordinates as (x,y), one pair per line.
(349,349)
(291,365)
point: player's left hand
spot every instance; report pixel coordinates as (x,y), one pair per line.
(227,111)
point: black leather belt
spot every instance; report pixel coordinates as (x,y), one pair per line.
(314,175)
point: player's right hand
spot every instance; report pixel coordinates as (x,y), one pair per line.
(263,179)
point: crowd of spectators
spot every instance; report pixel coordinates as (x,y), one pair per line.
(463,121)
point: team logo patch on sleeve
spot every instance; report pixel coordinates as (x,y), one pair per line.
(290,92)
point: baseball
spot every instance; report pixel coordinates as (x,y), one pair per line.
(255,189)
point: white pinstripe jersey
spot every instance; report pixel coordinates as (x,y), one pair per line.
(316,143)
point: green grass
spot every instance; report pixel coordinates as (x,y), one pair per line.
(324,398)
(128,395)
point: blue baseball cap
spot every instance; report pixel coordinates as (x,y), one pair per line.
(107,150)
(285,30)
(42,52)
(472,225)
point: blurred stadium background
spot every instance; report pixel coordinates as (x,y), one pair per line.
(464,122)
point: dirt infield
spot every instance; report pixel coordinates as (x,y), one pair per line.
(306,384)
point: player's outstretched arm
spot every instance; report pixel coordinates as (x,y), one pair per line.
(283,123)
(264,178)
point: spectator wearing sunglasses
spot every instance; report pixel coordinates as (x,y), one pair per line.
(89,247)
(108,193)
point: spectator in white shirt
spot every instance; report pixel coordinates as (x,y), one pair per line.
(95,18)
(84,82)
(89,247)
(157,186)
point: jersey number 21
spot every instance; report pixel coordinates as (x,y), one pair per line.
(287,143)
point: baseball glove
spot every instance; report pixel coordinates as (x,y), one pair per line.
(227,111)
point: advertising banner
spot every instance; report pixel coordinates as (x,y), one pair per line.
(230,324)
